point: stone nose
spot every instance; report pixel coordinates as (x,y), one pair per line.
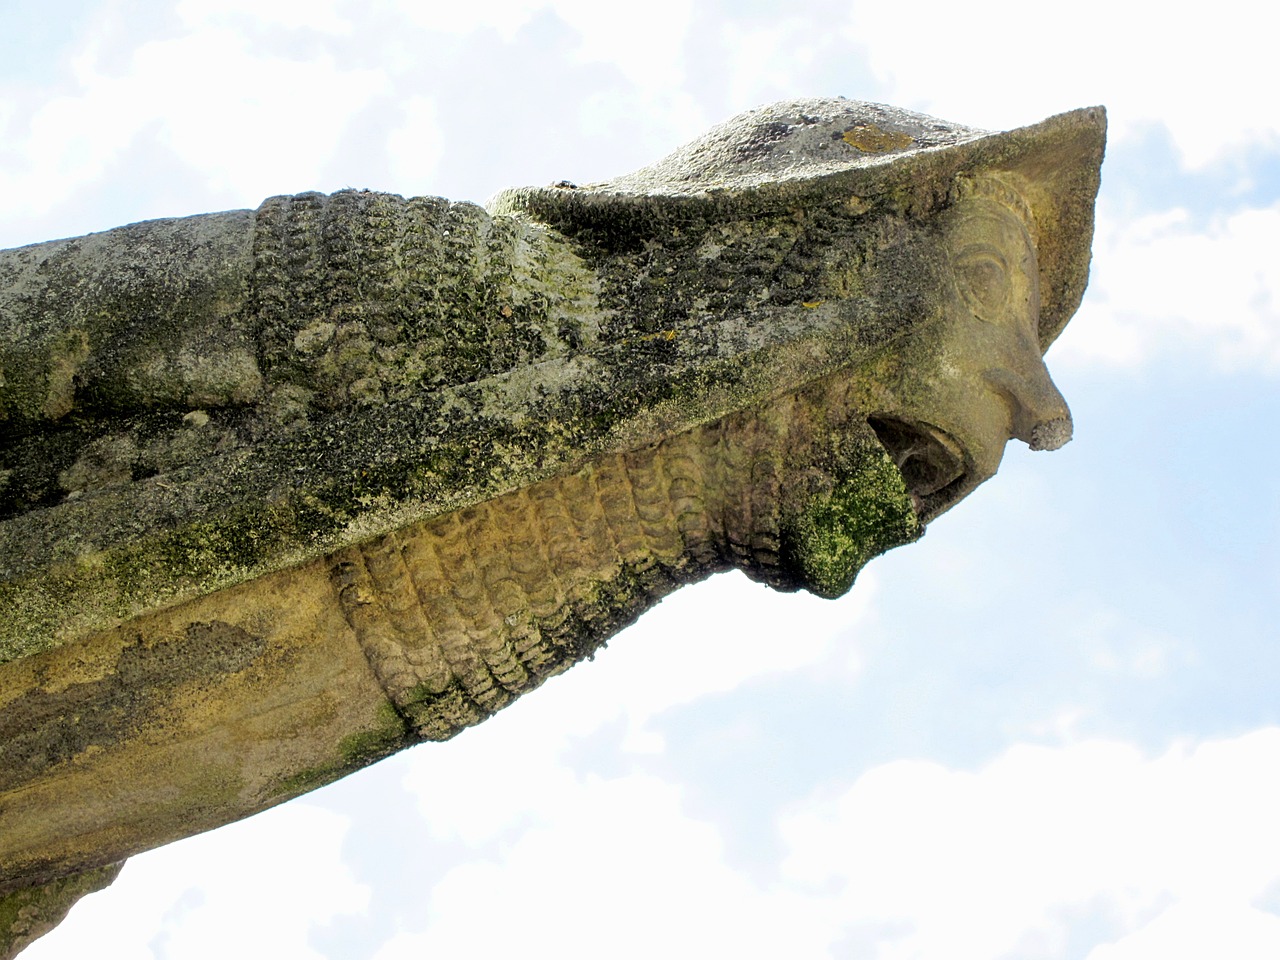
(1038,413)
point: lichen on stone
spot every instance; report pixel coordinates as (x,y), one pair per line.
(283,491)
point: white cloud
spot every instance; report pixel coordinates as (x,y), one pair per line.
(278,874)
(702,641)
(646,47)
(912,860)
(1041,852)
(998,65)
(251,122)
(584,861)
(647,106)
(717,636)
(1199,930)
(506,17)
(965,865)
(1161,284)
(262,124)
(765,58)
(320,15)
(618,870)
(415,147)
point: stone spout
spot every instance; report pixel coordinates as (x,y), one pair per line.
(283,491)
(1039,414)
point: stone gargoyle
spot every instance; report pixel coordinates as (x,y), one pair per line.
(285,490)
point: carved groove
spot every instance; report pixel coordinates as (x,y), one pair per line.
(460,615)
(368,297)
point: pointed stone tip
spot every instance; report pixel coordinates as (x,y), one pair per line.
(1051,435)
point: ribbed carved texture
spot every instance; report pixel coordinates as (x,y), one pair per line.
(460,615)
(368,296)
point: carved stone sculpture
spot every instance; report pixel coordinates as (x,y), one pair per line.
(283,491)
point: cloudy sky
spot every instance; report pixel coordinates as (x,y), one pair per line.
(1050,729)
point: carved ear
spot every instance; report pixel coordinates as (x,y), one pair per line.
(803,153)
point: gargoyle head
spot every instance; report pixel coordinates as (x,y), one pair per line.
(943,260)
(974,377)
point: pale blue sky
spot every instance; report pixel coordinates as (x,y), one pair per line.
(1050,729)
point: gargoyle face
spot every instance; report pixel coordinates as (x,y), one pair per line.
(979,379)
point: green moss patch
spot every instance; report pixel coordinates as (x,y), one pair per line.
(866,513)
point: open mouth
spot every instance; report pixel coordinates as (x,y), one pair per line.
(931,462)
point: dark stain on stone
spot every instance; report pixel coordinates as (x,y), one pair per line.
(762,140)
(28,911)
(39,729)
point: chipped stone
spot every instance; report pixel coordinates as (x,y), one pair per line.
(286,490)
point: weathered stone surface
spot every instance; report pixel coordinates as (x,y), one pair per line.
(31,912)
(283,491)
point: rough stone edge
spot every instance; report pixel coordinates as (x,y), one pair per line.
(1057,161)
(30,913)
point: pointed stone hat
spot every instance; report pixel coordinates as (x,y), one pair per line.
(874,159)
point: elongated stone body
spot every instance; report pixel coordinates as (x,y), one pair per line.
(413,635)
(283,491)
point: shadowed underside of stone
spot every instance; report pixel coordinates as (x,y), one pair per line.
(284,491)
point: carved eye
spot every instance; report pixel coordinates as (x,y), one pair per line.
(983,279)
